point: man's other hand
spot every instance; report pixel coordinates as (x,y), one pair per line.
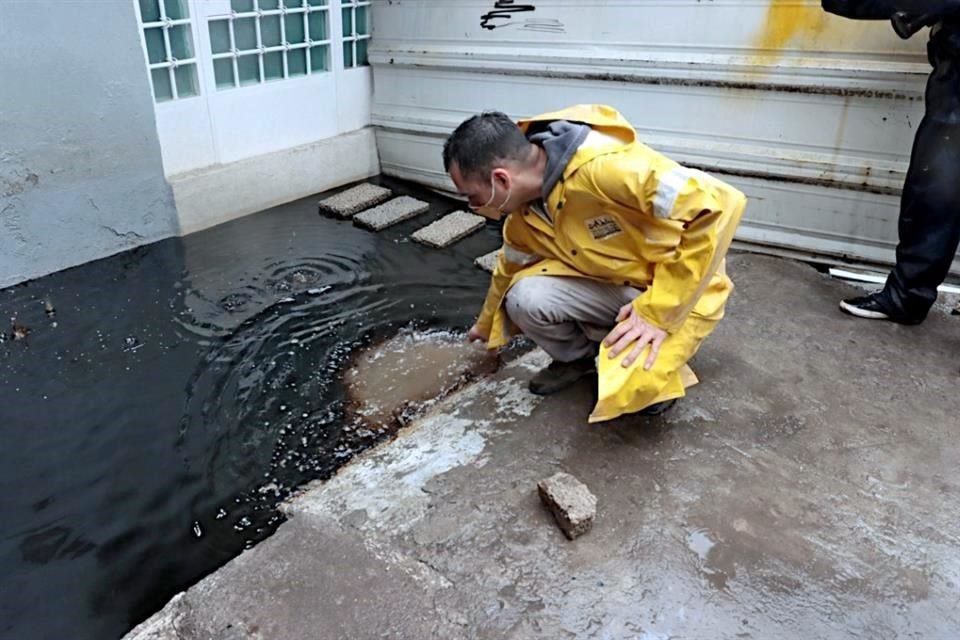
(475,335)
(632,330)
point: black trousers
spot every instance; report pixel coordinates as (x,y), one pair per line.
(929,223)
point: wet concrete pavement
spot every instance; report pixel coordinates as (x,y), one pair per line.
(805,489)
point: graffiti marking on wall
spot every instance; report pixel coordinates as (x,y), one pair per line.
(505,14)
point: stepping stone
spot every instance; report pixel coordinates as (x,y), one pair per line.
(487,262)
(390,213)
(352,201)
(448,229)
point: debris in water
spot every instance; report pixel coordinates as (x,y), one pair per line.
(18,331)
(50,310)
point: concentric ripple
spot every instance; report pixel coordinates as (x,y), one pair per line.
(182,391)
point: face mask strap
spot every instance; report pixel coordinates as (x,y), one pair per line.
(493,194)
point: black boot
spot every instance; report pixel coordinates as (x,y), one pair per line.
(658,408)
(558,376)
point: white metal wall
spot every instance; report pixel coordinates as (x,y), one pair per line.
(812,115)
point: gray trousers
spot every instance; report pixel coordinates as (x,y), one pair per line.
(567,317)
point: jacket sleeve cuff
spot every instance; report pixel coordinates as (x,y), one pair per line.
(642,308)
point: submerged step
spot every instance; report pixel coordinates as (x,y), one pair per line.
(390,383)
(448,229)
(390,213)
(487,262)
(352,201)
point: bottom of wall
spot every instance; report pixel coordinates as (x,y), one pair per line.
(816,222)
(214,195)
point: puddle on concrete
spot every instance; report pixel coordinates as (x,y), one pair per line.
(700,543)
(392,382)
(716,570)
(181,391)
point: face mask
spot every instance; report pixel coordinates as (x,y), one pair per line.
(489,211)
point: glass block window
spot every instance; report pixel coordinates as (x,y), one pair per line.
(168,43)
(356,32)
(267,40)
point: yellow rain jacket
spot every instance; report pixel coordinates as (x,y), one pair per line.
(625,214)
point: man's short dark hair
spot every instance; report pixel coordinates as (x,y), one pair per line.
(482,142)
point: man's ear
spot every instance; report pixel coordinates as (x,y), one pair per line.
(501,177)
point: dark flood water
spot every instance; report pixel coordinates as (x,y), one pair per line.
(153,422)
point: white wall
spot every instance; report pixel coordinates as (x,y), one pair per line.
(232,151)
(812,115)
(80,169)
(224,192)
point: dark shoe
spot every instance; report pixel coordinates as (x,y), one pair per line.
(872,307)
(557,376)
(658,408)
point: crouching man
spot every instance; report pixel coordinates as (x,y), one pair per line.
(609,249)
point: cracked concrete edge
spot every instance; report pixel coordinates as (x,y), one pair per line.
(170,623)
(203,612)
(384,486)
(429,446)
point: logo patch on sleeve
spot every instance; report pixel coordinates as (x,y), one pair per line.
(603,227)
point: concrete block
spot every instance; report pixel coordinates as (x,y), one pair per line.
(390,213)
(352,201)
(488,261)
(448,229)
(571,503)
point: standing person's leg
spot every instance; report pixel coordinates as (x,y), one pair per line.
(566,317)
(929,225)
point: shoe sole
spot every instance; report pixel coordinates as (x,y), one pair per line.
(862,313)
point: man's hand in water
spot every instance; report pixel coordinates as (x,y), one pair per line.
(632,330)
(475,335)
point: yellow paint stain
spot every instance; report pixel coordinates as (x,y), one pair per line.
(790,22)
